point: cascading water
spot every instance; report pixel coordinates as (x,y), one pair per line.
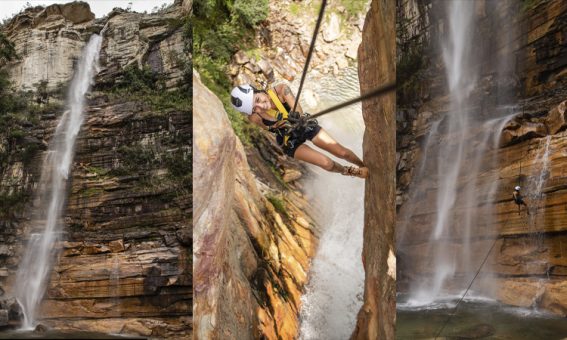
(534,188)
(36,263)
(457,160)
(333,295)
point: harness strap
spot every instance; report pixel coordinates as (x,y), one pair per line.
(281,114)
(279,105)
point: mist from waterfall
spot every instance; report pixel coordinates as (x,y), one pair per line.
(36,264)
(333,295)
(457,172)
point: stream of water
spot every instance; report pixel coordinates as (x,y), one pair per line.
(37,261)
(334,293)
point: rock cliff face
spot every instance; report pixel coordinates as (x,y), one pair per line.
(284,40)
(252,248)
(527,264)
(377,55)
(124,264)
(49,41)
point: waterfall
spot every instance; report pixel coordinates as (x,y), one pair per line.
(535,187)
(458,174)
(333,295)
(38,257)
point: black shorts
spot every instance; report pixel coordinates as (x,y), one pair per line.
(296,139)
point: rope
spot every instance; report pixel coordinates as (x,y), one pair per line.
(471,283)
(378,91)
(310,53)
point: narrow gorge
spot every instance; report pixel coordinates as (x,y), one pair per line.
(481,103)
(278,243)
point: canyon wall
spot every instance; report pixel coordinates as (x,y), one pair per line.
(123,262)
(377,55)
(253,234)
(522,70)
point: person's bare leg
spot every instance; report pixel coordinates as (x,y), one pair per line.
(307,154)
(327,143)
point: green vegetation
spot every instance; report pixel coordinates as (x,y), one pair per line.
(530,4)
(97,170)
(92,192)
(10,202)
(147,86)
(353,7)
(179,167)
(278,204)
(221,28)
(411,61)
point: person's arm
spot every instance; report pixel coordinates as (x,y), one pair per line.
(285,95)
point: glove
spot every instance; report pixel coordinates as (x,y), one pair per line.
(294,116)
(284,126)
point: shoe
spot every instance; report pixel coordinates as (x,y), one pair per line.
(355,172)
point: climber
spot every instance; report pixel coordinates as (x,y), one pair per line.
(519,200)
(270,109)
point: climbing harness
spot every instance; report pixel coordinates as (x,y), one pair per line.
(479,269)
(281,113)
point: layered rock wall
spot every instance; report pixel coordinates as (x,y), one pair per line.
(252,247)
(377,60)
(123,264)
(524,64)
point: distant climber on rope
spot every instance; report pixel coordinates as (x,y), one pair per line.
(270,109)
(519,199)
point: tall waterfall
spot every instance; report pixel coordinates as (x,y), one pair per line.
(333,295)
(457,173)
(37,261)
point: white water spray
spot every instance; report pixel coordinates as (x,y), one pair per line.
(37,261)
(334,293)
(462,179)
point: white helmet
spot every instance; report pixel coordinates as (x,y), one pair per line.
(242,98)
(517,188)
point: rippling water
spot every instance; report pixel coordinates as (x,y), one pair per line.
(477,319)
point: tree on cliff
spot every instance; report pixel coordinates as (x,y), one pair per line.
(7,50)
(7,54)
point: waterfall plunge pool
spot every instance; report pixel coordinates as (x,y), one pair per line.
(476,318)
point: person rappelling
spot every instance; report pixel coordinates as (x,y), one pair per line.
(271,110)
(519,199)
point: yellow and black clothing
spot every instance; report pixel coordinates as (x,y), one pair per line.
(289,140)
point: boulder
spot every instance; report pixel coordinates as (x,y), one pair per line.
(241,58)
(332,28)
(555,119)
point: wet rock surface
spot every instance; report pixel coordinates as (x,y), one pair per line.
(252,246)
(528,246)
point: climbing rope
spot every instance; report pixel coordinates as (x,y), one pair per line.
(470,285)
(310,53)
(474,278)
(378,91)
